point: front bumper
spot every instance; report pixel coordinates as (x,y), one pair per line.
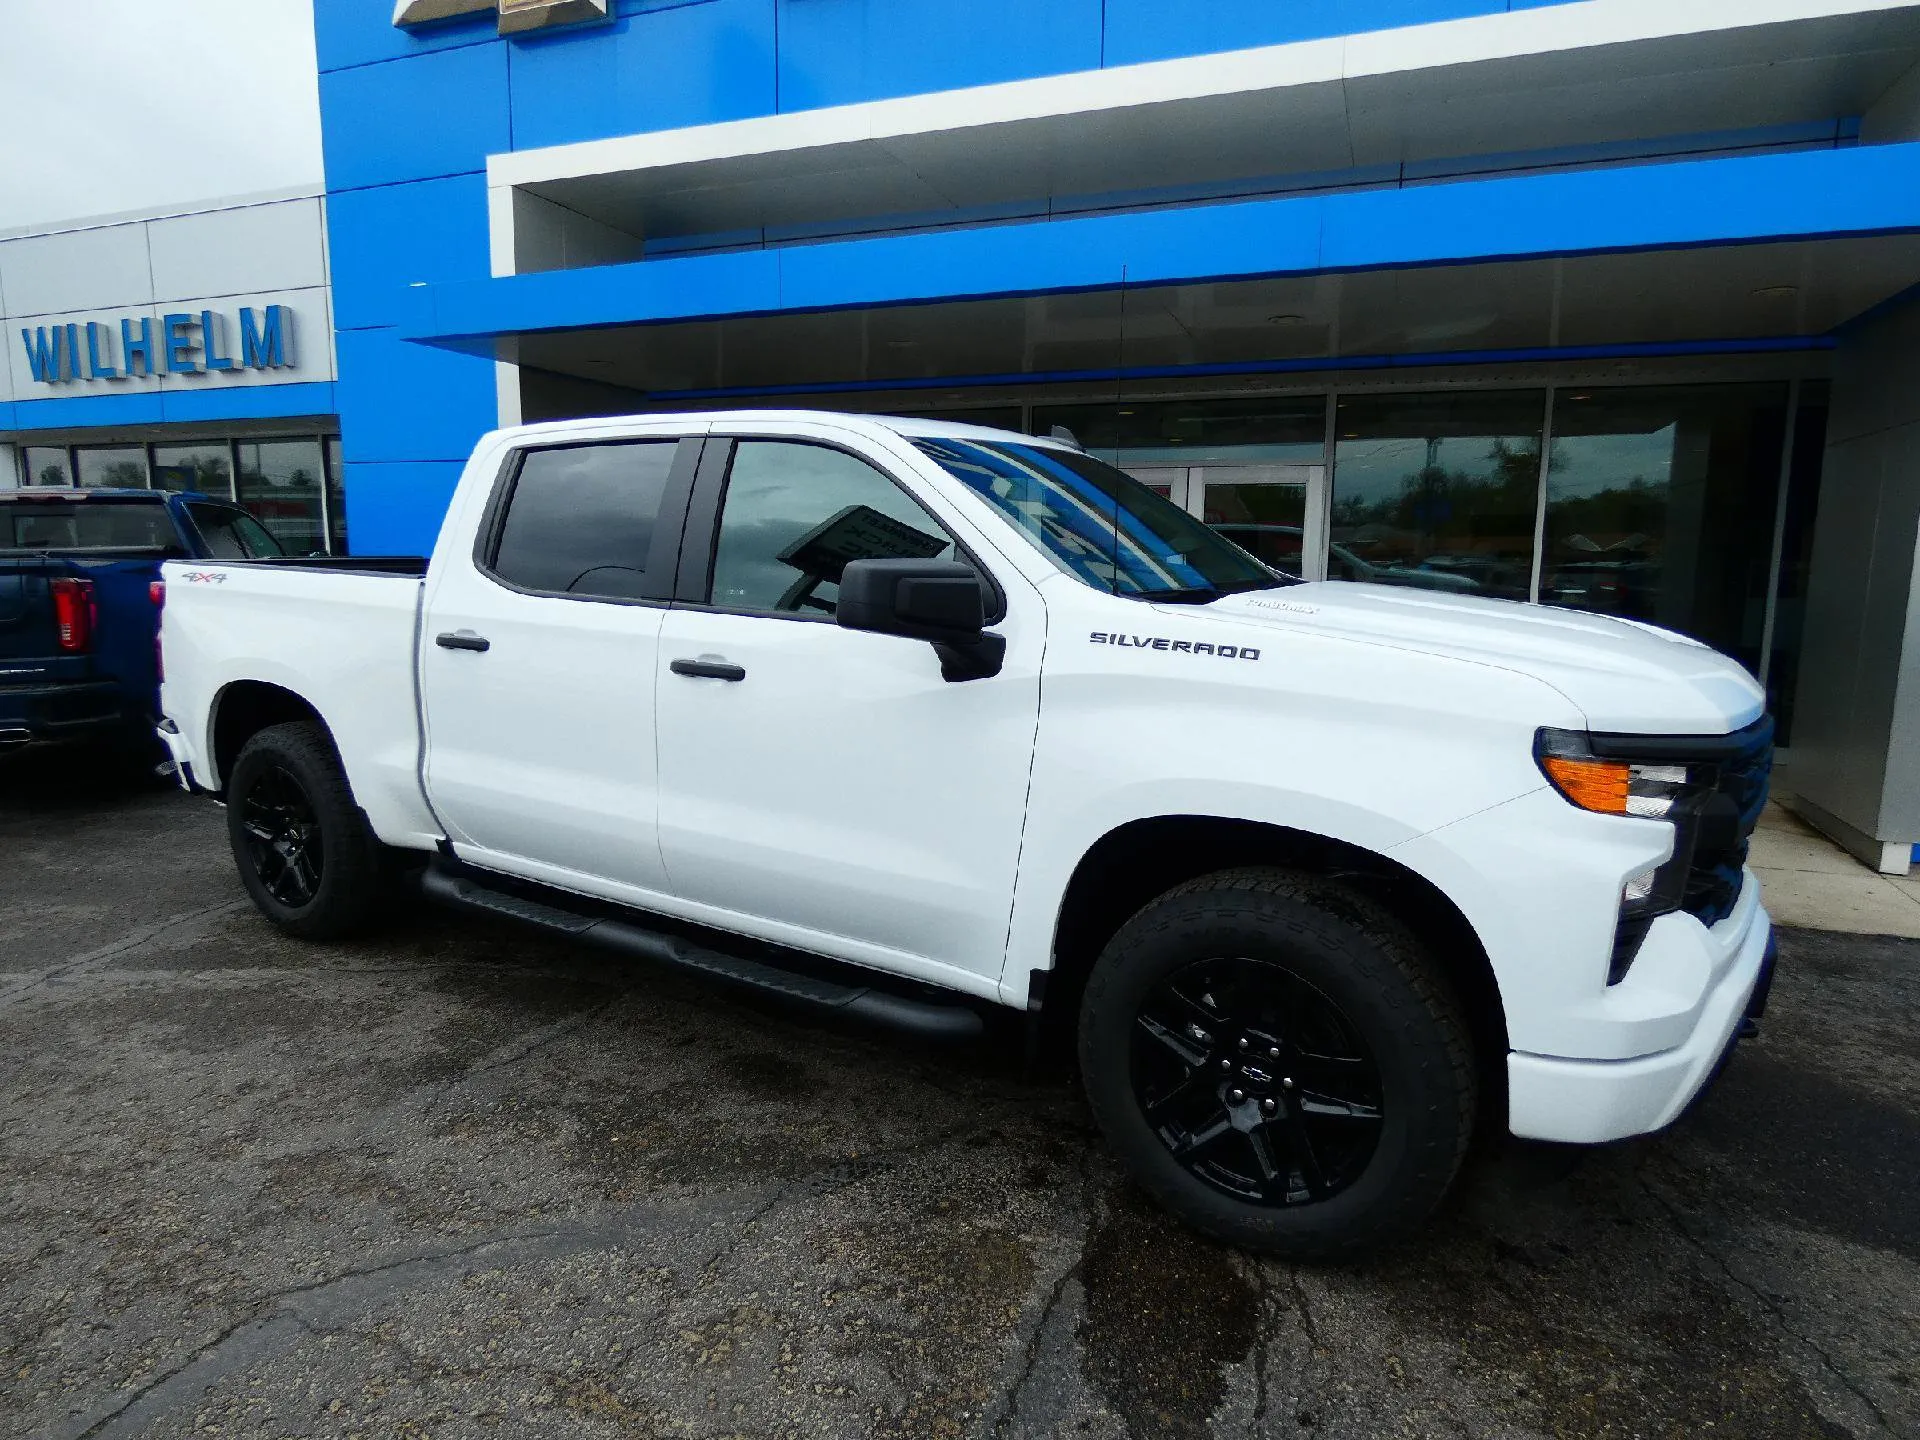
(1589,1102)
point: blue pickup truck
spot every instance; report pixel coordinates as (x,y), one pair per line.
(80,597)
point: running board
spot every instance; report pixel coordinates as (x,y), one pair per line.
(466,890)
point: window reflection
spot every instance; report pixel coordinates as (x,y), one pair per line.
(1287,429)
(1438,491)
(280,486)
(120,467)
(1660,507)
(207,469)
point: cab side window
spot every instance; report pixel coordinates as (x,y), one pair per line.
(232,534)
(795,514)
(580,519)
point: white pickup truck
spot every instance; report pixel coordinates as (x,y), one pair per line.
(905,720)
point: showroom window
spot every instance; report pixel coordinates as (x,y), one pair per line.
(1438,491)
(281,482)
(1660,507)
(116,466)
(48,466)
(291,484)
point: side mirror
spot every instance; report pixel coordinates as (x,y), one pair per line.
(939,601)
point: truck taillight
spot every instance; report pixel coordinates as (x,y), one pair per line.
(73,614)
(157,593)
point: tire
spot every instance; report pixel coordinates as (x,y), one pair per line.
(1356,1081)
(303,848)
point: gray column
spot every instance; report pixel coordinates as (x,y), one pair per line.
(1856,742)
(9,466)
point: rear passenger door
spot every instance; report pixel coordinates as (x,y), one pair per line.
(537,666)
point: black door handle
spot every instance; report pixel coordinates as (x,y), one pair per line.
(709,669)
(461,640)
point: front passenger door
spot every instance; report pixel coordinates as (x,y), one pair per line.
(822,787)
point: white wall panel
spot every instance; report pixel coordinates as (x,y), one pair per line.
(76,269)
(243,251)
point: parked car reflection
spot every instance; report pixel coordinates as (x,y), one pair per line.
(1280,546)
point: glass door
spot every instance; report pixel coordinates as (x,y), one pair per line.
(1276,511)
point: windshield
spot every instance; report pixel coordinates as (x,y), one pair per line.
(1101,525)
(63,525)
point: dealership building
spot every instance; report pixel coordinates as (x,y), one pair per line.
(185,350)
(1604,303)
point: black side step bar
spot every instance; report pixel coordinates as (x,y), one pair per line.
(466,890)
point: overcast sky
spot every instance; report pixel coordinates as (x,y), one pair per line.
(136,104)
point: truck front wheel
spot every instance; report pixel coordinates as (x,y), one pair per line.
(1278,1063)
(305,852)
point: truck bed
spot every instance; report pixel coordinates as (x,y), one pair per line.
(339,631)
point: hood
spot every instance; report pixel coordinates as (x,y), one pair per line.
(1621,674)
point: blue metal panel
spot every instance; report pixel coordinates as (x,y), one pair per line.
(357,32)
(212,404)
(415,119)
(249,402)
(410,402)
(396,509)
(1153,30)
(836,52)
(1737,200)
(652,70)
(131,408)
(382,240)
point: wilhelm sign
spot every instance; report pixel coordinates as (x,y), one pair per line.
(187,343)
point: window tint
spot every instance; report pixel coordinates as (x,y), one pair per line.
(88,525)
(580,520)
(794,516)
(232,534)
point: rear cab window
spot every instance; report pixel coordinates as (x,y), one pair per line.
(60,526)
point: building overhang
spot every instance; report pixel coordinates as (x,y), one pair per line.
(1759,248)
(1374,106)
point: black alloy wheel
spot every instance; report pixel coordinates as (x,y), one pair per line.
(284,841)
(303,847)
(1279,1062)
(1256,1082)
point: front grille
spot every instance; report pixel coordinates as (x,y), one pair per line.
(1723,828)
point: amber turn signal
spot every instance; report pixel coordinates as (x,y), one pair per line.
(1599,785)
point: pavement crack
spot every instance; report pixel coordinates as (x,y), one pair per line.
(137,940)
(1031,1355)
(1766,1301)
(1303,1307)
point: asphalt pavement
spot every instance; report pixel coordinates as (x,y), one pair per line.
(457,1181)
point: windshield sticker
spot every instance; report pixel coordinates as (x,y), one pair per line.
(1183,647)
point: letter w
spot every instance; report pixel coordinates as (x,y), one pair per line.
(43,358)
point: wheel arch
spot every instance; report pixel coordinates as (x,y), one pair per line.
(1136,862)
(242,709)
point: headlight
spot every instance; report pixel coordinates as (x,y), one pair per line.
(1643,790)
(1612,787)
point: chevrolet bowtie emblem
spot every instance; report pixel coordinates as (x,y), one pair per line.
(515,15)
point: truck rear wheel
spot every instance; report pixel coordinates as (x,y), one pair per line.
(305,852)
(1278,1064)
